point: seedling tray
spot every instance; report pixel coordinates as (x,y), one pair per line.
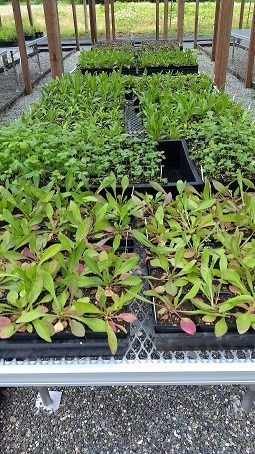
(126,71)
(13,43)
(24,345)
(192,69)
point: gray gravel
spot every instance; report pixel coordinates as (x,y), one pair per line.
(8,87)
(234,87)
(139,420)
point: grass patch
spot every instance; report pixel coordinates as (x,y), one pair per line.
(132,19)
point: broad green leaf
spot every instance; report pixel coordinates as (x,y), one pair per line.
(7,331)
(220,327)
(77,328)
(131,280)
(87,308)
(48,282)
(12,297)
(36,289)
(235,301)
(112,339)
(95,324)
(50,252)
(42,330)
(92,265)
(75,211)
(205,205)
(157,187)
(27,317)
(49,211)
(243,322)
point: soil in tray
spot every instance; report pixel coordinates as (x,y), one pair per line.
(170,323)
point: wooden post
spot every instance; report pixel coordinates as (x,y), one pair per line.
(76,31)
(53,34)
(29,12)
(92,18)
(180,21)
(157,20)
(196,24)
(222,50)
(165,33)
(22,46)
(251,52)
(113,20)
(85,15)
(241,13)
(215,31)
(1,23)
(107,20)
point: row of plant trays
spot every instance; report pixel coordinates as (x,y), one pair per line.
(137,71)
(28,37)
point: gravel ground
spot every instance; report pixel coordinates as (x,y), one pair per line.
(9,89)
(139,420)
(135,420)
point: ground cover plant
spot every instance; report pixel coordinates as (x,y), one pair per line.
(132,18)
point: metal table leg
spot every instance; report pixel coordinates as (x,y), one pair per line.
(14,69)
(233,49)
(48,400)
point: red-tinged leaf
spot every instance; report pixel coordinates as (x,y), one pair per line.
(188,326)
(35,227)
(109,229)
(77,328)
(104,247)
(129,318)
(113,325)
(43,308)
(168,198)
(80,268)
(4,321)
(7,331)
(28,254)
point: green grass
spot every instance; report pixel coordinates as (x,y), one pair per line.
(132,19)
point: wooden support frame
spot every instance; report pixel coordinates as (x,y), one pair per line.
(196,23)
(157,20)
(215,31)
(223,41)
(85,11)
(166,12)
(241,13)
(107,20)
(180,21)
(93,23)
(251,53)
(75,24)
(22,46)
(53,34)
(113,20)
(29,12)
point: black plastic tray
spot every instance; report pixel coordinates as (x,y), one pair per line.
(31,346)
(124,71)
(192,69)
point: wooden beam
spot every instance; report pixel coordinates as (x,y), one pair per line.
(29,12)
(22,46)
(180,21)
(196,24)
(215,31)
(107,20)
(1,23)
(223,42)
(85,15)
(92,19)
(76,31)
(165,32)
(251,53)
(241,13)
(157,20)
(113,20)
(53,35)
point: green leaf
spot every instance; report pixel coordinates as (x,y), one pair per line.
(95,324)
(36,288)
(42,329)
(235,301)
(48,282)
(87,308)
(131,280)
(112,339)
(220,328)
(27,317)
(49,211)
(77,328)
(7,331)
(75,211)
(243,322)
(205,204)
(157,187)
(82,230)
(92,265)
(50,252)
(12,297)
